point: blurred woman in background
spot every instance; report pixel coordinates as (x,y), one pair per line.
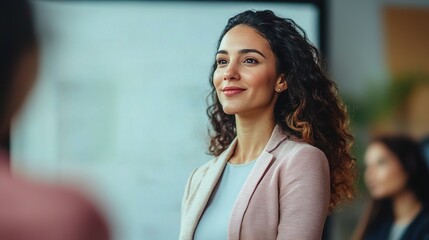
(398,182)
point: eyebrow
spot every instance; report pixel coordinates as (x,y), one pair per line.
(242,51)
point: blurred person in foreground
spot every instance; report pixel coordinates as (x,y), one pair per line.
(397,179)
(31,210)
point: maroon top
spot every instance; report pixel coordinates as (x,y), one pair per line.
(39,211)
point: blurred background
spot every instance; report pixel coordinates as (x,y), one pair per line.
(119,106)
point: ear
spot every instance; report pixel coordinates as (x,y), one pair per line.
(281,83)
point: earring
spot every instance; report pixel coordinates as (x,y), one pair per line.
(279,89)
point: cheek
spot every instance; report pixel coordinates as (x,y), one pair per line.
(385,175)
(397,178)
(217,82)
(391,180)
(262,85)
(217,79)
(261,79)
(366,176)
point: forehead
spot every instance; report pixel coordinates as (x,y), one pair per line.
(243,36)
(376,150)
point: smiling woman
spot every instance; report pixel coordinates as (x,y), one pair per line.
(279,136)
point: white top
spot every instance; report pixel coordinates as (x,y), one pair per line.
(213,224)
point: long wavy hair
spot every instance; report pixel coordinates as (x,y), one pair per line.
(411,158)
(309,110)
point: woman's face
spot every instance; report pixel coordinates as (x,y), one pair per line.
(245,78)
(384,175)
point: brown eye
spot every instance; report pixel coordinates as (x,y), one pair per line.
(251,61)
(221,62)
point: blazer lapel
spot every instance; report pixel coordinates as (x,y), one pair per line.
(208,183)
(261,167)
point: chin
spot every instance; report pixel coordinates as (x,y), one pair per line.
(230,110)
(380,195)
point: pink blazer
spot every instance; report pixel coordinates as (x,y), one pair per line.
(286,195)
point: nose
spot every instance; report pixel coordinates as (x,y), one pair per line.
(231,73)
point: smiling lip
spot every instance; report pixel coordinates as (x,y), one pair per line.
(231,91)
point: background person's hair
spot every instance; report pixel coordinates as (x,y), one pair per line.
(17,36)
(410,156)
(425,146)
(309,109)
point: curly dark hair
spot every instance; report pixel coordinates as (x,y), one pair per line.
(310,109)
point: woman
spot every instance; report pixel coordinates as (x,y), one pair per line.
(30,210)
(279,137)
(396,177)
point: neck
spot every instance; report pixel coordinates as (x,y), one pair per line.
(253,134)
(406,206)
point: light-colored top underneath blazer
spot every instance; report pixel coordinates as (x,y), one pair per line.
(286,195)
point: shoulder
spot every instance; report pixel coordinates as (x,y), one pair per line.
(301,164)
(75,210)
(54,210)
(302,174)
(206,166)
(293,151)
(421,224)
(198,173)
(196,182)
